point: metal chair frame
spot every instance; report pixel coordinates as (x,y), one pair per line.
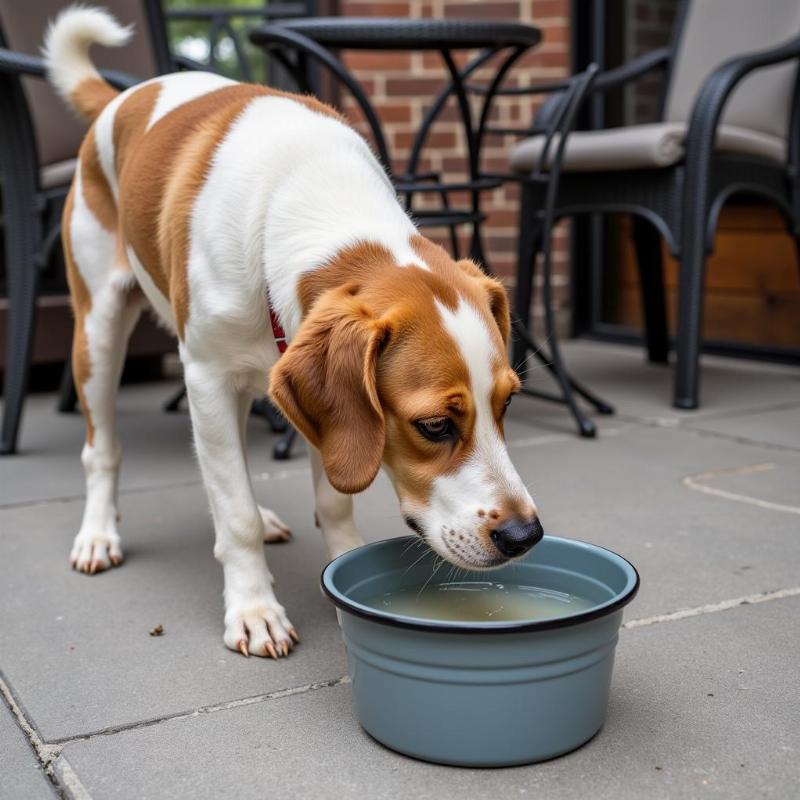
(29,241)
(281,37)
(679,203)
(28,245)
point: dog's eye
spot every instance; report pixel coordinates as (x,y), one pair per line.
(440,429)
(508,401)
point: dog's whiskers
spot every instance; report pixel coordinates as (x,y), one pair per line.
(416,562)
(436,569)
(533,368)
(412,543)
(534,353)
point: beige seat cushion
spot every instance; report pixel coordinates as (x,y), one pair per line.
(660,144)
(58,174)
(717,30)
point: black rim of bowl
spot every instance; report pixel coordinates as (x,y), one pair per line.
(434,626)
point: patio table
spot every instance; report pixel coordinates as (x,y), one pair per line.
(295,43)
(315,37)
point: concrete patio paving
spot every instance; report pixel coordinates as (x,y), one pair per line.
(706,692)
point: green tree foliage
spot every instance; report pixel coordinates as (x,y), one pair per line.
(190,36)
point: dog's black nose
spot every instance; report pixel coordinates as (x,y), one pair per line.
(515,537)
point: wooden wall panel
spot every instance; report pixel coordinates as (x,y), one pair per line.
(752,280)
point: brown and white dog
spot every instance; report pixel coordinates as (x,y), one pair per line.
(204,197)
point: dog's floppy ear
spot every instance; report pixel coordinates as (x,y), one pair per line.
(325,385)
(498,298)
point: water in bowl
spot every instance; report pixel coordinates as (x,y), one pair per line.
(480,601)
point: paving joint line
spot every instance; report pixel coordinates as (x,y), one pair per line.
(64,782)
(669,423)
(555,437)
(713,608)
(202,710)
(732,413)
(281,474)
(531,441)
(70,498)
(55,746)
(695,483)
(680,419)
(730,437)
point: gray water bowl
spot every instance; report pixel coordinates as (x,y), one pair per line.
(481,694)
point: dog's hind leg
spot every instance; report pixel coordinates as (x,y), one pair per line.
(103,324)
(334,511)
(106,302)
(255,622)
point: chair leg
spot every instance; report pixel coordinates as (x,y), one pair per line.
(651,279)
(533,236)
(173,404)
(67,395)
(796,237)
(282,450)
(530,238)
(476,251)
(586,426)
(275,420)
(22,277)
(690,310)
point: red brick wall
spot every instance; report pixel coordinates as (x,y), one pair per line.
(401,86)
(648,26)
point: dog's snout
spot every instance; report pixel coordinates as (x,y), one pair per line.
(515,537)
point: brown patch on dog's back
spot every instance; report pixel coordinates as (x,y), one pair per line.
(130,122)
(161,177)
(182,187)
(156,229)
(95,188)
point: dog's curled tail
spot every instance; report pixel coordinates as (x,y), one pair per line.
(66,53)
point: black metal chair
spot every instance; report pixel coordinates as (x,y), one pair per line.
(731,124)
(39,140)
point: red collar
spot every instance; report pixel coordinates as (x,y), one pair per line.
(277,329)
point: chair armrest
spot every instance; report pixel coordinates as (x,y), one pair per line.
(610,79)
(119,80)
(186,64)
(618,76)
(604,81)
(21,64)
(711,99)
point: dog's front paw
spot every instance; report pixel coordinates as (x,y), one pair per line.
(260,628)
(275,530)
(93,553)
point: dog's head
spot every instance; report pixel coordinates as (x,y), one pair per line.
(411,371)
